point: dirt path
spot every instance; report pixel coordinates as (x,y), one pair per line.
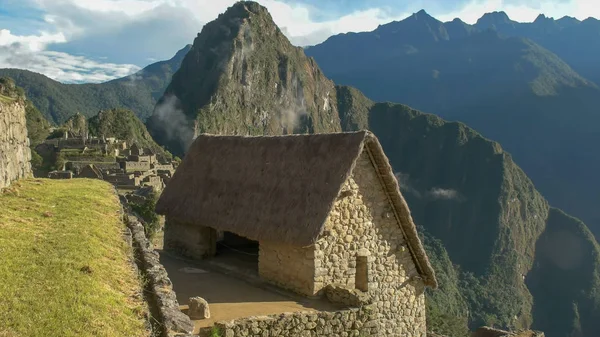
(229,297)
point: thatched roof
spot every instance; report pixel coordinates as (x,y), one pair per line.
(278,188)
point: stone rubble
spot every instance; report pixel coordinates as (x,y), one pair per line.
(198,308)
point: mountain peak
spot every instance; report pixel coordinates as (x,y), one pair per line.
(494,18)
(243,76)
(542,18)
(423,15)
(182,52)
(568,21)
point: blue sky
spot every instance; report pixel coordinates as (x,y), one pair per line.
(98,40)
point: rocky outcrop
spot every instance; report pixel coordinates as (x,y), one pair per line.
(243,76)
(15,154)
(198,308)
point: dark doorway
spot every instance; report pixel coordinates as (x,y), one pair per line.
(237,250)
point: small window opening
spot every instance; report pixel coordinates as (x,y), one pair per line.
(361,281)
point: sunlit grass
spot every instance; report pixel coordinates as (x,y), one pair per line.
(64,268)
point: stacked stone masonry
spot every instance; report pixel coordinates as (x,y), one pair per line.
(300,277)
(189,240)
(162,297)
(354,322)
(361,227)
(15,154)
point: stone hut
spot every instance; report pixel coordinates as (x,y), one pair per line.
(324,209)
(135,150)
(90,171)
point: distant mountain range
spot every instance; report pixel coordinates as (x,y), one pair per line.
(138,92)
(576,42)
(511,89)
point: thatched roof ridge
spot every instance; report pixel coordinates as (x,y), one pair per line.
(278,188)
(402,212)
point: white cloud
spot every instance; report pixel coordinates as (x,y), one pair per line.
(28,52)
(34,43)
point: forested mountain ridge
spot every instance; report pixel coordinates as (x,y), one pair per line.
(138,92)
(508,88)
(575,41)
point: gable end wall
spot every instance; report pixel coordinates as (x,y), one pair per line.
(361,223)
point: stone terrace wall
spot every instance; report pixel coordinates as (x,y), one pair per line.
(346,323)
(15,154)
(161,296)
(362,226)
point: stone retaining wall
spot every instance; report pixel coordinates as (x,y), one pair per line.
(15,155)
(162,299)
(354,322)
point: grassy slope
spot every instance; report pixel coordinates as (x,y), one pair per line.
(51,233)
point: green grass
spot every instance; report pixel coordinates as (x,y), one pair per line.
(215,332)
(65,267)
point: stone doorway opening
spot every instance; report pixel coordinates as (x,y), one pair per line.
(237,251)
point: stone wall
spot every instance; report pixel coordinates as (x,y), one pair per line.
(362,227)
(167,319)
(289,267)
(130,166)
(346,323)
(191,241)
(15,154)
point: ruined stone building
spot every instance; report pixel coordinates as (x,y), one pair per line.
(325,211)
(90,171)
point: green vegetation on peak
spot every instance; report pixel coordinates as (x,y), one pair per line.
(9,91)
(77,124)
(66,269)
(124,124)
(243,76)
(138,92)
